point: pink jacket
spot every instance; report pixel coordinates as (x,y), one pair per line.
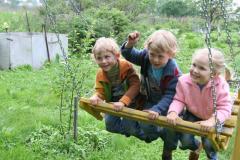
(200,102)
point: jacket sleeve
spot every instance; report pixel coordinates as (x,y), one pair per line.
(224,105)
(178,102)
(133,86)
(99,89)
(133,55)
(162,106)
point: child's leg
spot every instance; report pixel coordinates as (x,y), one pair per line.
(188,142)
(210,151)
(113,124)
(153,132)
(170,138)
(130,127)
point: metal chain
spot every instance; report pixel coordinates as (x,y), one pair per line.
(208,43)
(232,56)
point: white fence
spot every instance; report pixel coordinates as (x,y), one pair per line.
(19,48)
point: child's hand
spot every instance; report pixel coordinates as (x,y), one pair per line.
(132,39)
(94,100)
(172,117)
(118,106)
(152,114)
(207,124)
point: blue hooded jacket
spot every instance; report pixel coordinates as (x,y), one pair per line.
(168,80)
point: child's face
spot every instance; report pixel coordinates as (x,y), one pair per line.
(106,60)
(158,59)
(200,71)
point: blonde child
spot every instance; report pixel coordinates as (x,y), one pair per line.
(159,76)
(193,92)
(116,82)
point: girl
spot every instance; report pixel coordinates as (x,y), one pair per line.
(193,91)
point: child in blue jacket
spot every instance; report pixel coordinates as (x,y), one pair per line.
(159,76)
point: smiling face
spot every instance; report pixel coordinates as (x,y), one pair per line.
(158,59)
(106,53)
(200,71)
(106,60)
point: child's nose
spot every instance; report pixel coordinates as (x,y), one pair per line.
(104,60)
(195,70)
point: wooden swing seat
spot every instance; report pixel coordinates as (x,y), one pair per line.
(220,142)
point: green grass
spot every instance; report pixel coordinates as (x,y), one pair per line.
(29,101)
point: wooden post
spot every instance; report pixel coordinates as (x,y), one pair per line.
(75,118)
(235,154)
(46,41)
(28,25)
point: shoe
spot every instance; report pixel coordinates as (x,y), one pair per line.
(194,155)
(127,135)
(166,155)
(148,140)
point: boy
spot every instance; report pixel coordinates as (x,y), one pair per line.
(116,82)
(159,76)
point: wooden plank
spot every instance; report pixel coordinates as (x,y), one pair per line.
(181,125)
(90,110)
(235,109)
(231,122)
(237,101)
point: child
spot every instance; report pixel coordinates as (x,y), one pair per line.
(116,82)
(194,91)
(159,76)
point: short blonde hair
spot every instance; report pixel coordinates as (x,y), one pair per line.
(104,44)
(163,41)
(217,58)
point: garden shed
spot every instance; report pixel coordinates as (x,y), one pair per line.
(20,48)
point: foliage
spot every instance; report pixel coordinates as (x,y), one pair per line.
(17,21)
(50,143)
(178,8)
(80,37)
(113,17)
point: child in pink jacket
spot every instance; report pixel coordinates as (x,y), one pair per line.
(193,93)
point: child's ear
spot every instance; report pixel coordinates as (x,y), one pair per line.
(92,56)
(216,73)
(117,54)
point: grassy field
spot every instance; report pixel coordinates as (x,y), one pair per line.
(29,103)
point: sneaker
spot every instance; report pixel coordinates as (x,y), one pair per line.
(194,155)
(166,155)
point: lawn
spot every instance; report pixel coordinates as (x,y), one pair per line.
(29,123)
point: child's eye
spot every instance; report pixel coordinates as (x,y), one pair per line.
(202,68)
(98,58)
(106,57)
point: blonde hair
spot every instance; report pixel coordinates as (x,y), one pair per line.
(104,44)
(217,58)
(163,41)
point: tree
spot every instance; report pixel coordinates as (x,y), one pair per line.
(178,8)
